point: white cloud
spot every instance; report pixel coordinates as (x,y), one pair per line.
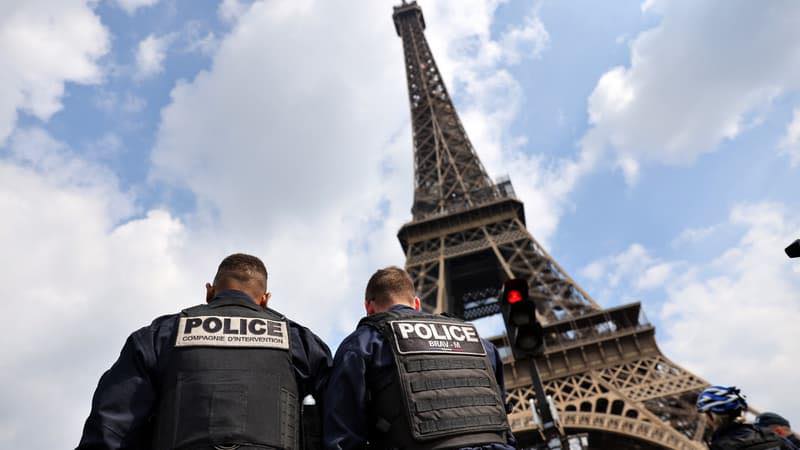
(734,319)
(691,236)
(130,6)
(633,269)
(133,104)
(594,270)
(205,44)
(111,102)
(106,146)
(84,275)
(694,80)
(34,149)
(230,10)
(105,100)
(544,185)
(790,143)
(150,55)
(197,36)
(43,45)
(530,39)
(654,276)
(630,169)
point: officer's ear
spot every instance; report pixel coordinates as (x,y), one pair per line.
(416,303)
(264,299)
(369,307)
(209,292)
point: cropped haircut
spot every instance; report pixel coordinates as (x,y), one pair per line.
(242,268)
(388,284)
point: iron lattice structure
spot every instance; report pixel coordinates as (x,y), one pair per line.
(601,366)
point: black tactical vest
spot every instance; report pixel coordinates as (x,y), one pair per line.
(228,381)
(443,393)
(743,436)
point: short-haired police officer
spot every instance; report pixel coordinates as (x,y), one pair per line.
(230,373)
(406,379)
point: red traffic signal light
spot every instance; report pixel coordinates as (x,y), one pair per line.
(515,290)
(513,296)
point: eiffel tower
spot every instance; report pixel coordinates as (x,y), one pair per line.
(601,366)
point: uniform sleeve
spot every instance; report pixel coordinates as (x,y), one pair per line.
(311,358)
(344,421)
(498,372)
(497,366)
(123,401)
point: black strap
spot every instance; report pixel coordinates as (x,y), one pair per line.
(448,363)
(377,320)
(432,426)
(449,383)
(289,419)
(455,402)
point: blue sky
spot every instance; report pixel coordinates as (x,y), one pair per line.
(656,146)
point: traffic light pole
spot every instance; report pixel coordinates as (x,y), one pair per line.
(549,425)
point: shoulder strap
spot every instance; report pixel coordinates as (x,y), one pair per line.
(274,314)
(377,320)
(194,310)
(205,309)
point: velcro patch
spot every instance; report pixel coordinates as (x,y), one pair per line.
(225,331)
(424,336)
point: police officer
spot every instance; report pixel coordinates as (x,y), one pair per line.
(778,425)
(724,407)
(227,374)
(411,380)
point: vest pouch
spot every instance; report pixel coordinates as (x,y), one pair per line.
(228,410)
(227,407)
(461,401)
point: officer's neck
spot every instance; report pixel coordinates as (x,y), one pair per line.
(231,293)
(373,308)
(398,306)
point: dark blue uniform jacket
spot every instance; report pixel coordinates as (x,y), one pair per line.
(127,393)
(743,435)
(344,408)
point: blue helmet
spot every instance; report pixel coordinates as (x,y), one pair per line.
(721,400)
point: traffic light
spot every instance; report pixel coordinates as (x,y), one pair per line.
(519,312)
(793,250)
